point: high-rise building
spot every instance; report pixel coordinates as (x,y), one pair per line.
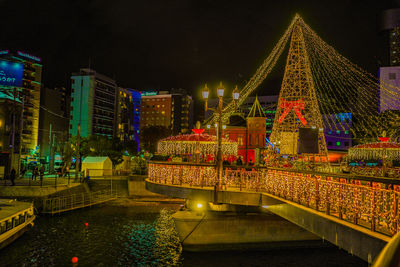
(128,114)
(93,104)
(389,83)
(171,110)
(53,120)
(391,27)
(21,73)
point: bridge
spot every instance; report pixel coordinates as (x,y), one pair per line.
(358,214)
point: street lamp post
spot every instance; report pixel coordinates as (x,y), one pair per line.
(219,111)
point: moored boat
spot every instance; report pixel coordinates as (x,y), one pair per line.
(15,218)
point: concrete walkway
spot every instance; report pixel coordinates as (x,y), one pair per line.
(26,187)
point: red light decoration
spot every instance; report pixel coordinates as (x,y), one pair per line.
(86,224)
(296,106)
(384,139)
(198,131)
(74,260)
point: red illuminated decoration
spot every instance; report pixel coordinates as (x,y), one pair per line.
(384,139)
(74,260)
(287,106)
(198,131)
(87,224)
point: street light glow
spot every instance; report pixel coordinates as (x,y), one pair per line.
(220,90)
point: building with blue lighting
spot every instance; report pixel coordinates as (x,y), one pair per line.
(21,80)
(93,104)
(337,130)
(129,114)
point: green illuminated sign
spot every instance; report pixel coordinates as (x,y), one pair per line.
(148,93)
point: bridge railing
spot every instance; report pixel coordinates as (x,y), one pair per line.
(371,202)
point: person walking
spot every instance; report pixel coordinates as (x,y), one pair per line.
(251,162)
(12,176)
(239,161)
(41,174)
(67,172)
(34,173)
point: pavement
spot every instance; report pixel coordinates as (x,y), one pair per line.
(48,180)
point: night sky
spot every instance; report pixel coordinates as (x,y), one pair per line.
(164,44)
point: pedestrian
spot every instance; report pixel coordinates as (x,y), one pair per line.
(41,174)
(12,176)
(23,171)
(66,171)
(34,173)
(239,161)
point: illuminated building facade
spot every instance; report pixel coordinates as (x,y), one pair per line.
(29,88)
(390,25)
(390,80)
(93,104)
(268,104)
(53,119)
(337,131)
(128,114)
(171,110)
(249,132)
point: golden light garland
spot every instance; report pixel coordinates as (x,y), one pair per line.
(359,202)
(341,86)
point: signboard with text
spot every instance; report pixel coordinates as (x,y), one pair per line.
(11,73)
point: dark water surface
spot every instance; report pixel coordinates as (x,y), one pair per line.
(140,235)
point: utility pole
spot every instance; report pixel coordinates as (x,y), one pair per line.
(78,147)
(12,134)
(21,126)
(51,154)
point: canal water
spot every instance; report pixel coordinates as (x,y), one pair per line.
(140,234)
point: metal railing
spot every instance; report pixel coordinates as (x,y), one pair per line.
(371,202)
(75,201)
(105,172)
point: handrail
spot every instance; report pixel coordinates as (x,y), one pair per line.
(384,180)
(365,202)
(77,200)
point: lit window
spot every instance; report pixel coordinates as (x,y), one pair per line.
(338,143)
(346,132)
(162,112)
(338,132)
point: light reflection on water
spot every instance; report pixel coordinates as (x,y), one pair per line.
(116,236)
(139,235)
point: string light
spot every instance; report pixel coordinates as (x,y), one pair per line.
(194,143)
(359,202)
(340,85)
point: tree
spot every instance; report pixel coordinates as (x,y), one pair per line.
(130,146)
(151,135)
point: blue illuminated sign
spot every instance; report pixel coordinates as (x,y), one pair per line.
(11,73)
(4,52)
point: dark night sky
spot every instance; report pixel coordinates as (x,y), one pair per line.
(163,44)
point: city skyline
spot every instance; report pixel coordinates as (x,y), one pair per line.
(183,44)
